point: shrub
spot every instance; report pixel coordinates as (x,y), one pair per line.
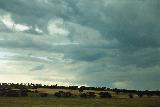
(1,93)
(130,95)
(80,90)
(43,94)
(105,95)
(140,94)
(12,93)
(36,91)
(57,94)
(91,94)
(67,94)
(63,94)
(88,95)
(83,95)
(23,93)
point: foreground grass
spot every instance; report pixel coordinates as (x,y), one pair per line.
(77,102)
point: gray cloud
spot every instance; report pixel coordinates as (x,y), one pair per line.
(38,68)
(110,41)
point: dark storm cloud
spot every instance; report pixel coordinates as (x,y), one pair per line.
(109,40)
(134,24)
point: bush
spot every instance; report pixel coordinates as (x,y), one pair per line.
(12,93)
(36,91)
(43,94)
(63,94)
(140,94)
(105,95)
(1,93)
(57,94)
(80,90)
(67,94)
(91,94)
(83,95)
(23,93)
(88,95)
(130,95)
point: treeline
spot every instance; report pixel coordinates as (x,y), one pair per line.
(15,90)
(8,92)
(82,95)
(35,86)
(137,92)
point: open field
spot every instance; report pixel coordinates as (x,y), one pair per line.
(77,102)
(76,92)
(34,98)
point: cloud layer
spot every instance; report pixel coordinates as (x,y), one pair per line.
(81,42)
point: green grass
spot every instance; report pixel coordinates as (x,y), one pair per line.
(77,102)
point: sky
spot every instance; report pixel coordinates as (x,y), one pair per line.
(112,43)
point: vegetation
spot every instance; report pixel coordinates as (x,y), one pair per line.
(63,94)
(88,95)
(36,95)
(105,95)
(43,94)
(77,102)
(130,95)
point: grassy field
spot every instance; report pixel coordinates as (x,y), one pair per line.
(77,102)
(76,92)
(121,100)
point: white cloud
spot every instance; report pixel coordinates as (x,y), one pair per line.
(20,27)
(15,78)
(1,39)
(7,54)
(7,21)
(10,24)
(38,30)
(42,58)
